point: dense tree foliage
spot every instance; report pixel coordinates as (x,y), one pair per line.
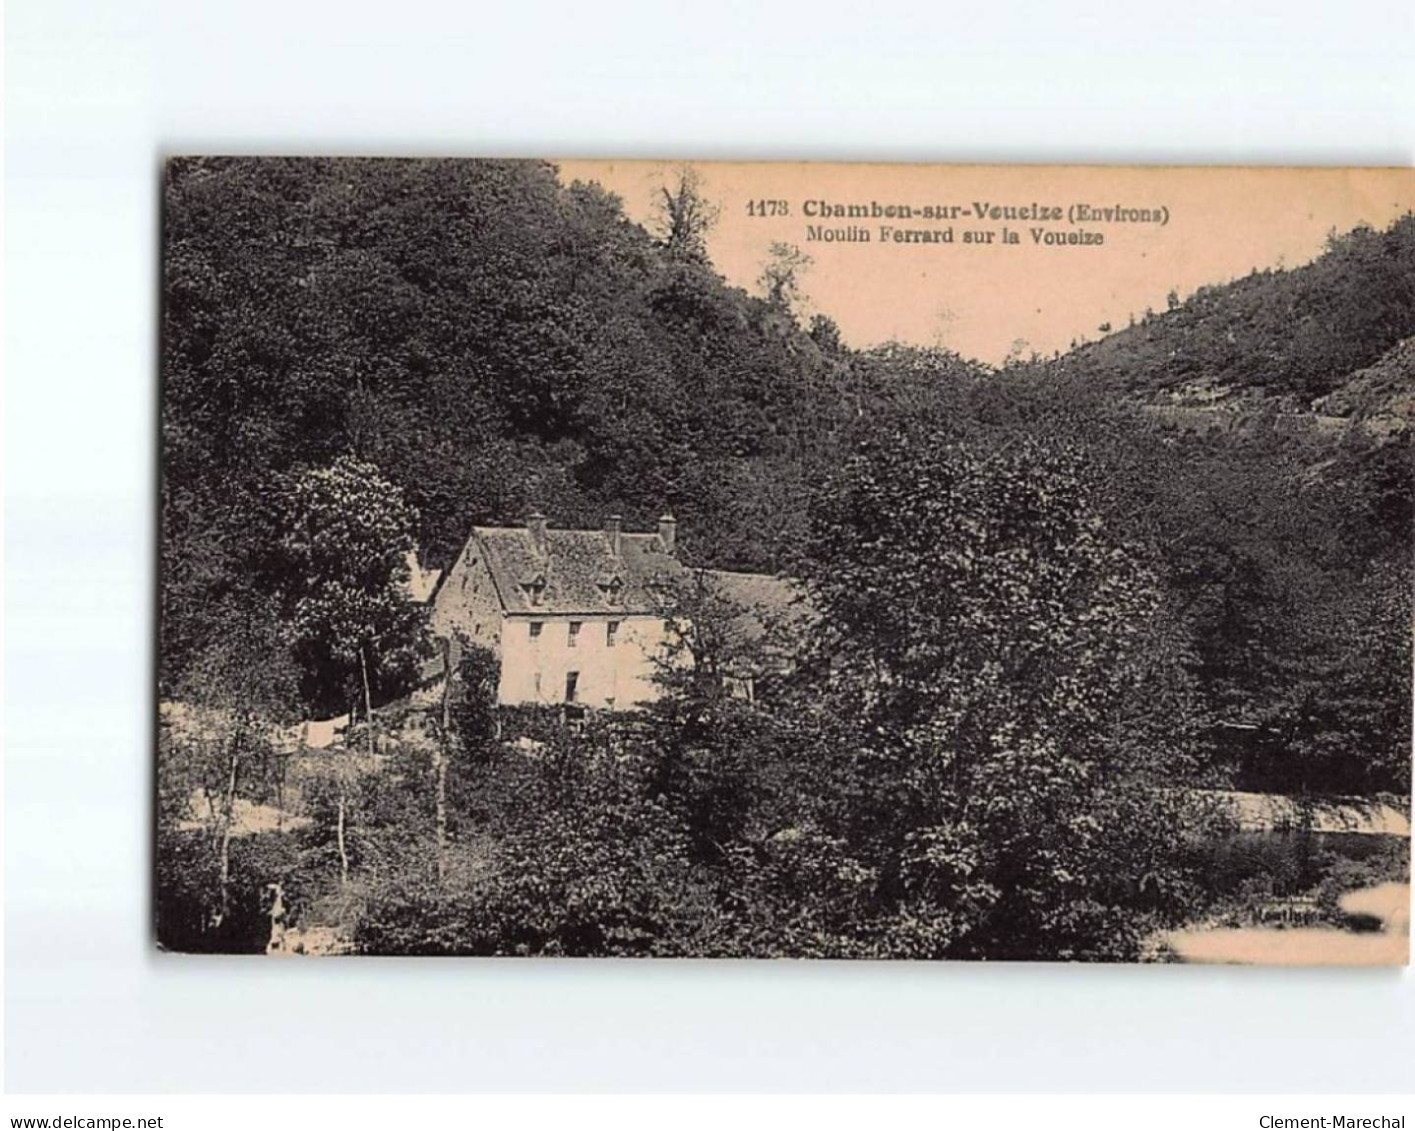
(1300,333)
(346,535)
(991,642)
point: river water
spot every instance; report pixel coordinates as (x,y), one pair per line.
(1386,904)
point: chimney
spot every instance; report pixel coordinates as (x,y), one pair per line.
(668,532)
(613,527)
(535,523)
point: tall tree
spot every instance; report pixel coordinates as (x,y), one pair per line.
(987,640)
(684,216)
(780,280)
(348,532)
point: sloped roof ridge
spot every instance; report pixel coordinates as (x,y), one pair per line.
(574,563)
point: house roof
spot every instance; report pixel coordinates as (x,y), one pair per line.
(577,571)
(765,601)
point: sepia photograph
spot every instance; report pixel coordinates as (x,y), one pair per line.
(727,560)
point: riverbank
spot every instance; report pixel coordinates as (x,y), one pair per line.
(1386,904)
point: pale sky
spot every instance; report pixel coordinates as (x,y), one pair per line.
(982,301)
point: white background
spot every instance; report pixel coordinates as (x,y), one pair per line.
(97,92)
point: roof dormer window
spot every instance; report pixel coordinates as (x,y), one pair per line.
(534,589)
(613,589)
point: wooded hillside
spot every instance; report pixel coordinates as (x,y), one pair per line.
(1299,334)
(492,341)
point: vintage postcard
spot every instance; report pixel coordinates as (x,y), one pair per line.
(594,558)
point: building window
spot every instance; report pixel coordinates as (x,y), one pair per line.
(535,629)
(572,686)
(536,684)
(611,631)
(574,633)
